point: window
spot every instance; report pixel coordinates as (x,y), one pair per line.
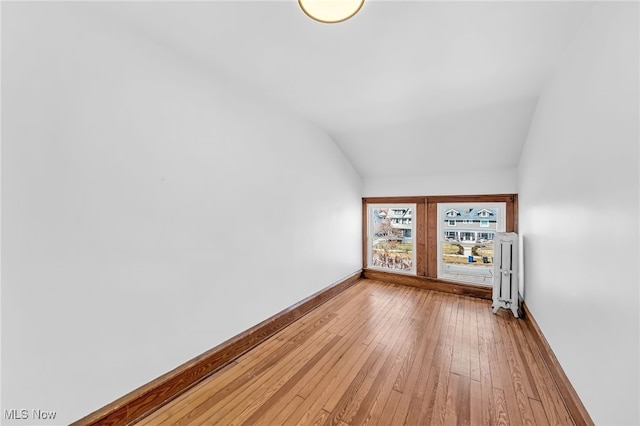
(468,236)
(485,236)
(469,258)
(415,235)
(390,237)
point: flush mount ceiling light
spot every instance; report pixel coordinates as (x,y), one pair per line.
(330,11)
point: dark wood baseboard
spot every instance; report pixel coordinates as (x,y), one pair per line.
(571,399)
(149,397)
(472,290)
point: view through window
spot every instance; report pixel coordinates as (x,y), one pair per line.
(466,233)
(391,237)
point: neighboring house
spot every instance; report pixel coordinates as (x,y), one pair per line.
(470,225)
(394,223)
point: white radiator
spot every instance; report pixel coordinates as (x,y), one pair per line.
(505,272)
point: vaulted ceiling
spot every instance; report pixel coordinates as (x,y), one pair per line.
(404,88)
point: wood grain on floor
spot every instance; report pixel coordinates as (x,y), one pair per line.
(382,354)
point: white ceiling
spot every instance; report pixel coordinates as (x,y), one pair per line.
(404,87)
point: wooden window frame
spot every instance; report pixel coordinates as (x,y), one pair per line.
(426,226)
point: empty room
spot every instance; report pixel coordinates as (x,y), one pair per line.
(344,212)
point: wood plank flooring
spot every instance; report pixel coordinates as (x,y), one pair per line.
(382,354)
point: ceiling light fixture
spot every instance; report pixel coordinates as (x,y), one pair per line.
(330,11)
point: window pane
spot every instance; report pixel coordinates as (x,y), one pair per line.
(466,253)
(391,237)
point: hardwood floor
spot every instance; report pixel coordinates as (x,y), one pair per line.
(382,354)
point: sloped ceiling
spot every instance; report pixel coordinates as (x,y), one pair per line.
(404,88)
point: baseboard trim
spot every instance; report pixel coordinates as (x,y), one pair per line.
(482,292)
(569,395)
(149,397)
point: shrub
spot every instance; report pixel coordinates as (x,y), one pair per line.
(452,249)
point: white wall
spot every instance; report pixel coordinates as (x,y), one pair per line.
(578,198)
(150,210)
(472,183)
